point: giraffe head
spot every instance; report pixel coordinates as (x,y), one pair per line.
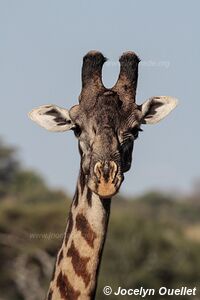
(106,122)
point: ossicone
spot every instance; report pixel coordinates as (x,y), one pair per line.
(126,84)
(92,69)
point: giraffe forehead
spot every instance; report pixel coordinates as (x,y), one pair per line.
(108,119)
(107,112)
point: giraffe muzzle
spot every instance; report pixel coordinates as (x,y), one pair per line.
(108,180)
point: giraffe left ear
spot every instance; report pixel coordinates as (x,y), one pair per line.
(157,108)
(52,118)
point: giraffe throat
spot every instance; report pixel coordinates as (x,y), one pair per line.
(78,260)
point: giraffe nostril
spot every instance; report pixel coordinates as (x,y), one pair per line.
(97,170)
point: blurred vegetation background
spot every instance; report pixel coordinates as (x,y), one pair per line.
(153,240)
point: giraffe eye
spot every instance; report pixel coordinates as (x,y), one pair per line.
(77,131)
(135,132)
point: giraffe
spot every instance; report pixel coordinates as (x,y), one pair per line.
(106,123)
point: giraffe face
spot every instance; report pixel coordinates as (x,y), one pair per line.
(106,135)
(106,122)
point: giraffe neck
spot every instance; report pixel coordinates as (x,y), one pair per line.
(78,260)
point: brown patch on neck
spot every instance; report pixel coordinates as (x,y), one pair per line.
(79,264)
(67,291)
(106,204)
(89,197)
(82,180)
(75,199)
(69,227)
(84,227)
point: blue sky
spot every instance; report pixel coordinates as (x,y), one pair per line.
(41,50)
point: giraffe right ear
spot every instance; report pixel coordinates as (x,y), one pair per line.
(52,118)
